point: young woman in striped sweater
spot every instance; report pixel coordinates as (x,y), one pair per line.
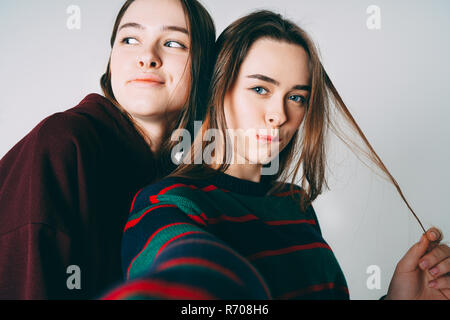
(221,226)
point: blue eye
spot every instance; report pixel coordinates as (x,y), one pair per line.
(297,98)
(126,40)
(259,90)
(174,44)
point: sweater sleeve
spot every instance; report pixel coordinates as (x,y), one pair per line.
(35,262)
(42,197)
(168,255)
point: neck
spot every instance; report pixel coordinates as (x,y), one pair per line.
(251,172)
(239,168)
(155,130)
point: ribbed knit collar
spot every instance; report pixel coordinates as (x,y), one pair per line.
(247,187)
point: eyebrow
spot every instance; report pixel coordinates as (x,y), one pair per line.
(277,83)
(164,28)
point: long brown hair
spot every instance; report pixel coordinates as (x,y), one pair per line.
(202,35)
(232,47)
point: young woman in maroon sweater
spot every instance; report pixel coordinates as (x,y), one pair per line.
(66,187)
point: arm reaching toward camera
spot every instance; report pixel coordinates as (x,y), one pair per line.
(167,255)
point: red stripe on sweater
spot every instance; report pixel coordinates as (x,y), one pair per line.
(154,198)
(134,199)
(175,238)
(133,222)
(287,193)
(268,253)
(197,218)
(248,264)
(209,188)
(224,217)
(246,218)
(345,289)
(310,289)
(282,222)
(148,241)
(160,288)
(200,262)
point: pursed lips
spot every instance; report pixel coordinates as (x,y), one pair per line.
(152,81)
(268,138)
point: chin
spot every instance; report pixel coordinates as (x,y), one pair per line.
(265,155)
(261,158)
(146,107)
(264,160)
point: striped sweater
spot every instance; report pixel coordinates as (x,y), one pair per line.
(224,238)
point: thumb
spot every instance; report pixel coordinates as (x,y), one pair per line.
(410,260)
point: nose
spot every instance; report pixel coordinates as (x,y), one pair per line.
(276,116)
(149,60)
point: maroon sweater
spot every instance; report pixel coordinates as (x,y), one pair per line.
(65,192)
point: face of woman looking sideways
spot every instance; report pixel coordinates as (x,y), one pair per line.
(268,99)
(150,64)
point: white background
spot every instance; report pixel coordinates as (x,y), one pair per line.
(395,81)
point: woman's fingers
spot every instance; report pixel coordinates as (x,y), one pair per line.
(442,268)
(439,254)
(440,283)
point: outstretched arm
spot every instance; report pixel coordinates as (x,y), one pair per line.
(169,255)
